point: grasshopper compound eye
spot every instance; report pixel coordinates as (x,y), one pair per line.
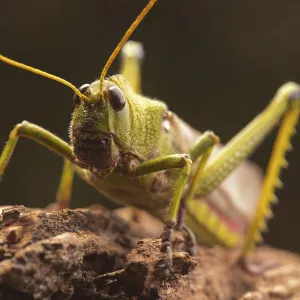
(116,98)
(82,89)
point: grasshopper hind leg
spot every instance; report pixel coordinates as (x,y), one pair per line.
(276,163)
(286,104)
(132,55)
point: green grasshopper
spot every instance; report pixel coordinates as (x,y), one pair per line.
(136,152)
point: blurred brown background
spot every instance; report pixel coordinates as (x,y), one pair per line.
(216,63)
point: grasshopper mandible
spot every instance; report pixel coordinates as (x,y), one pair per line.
(135,151)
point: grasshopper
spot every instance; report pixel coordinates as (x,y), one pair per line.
(136,152)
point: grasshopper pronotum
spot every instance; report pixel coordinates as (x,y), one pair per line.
(136,152)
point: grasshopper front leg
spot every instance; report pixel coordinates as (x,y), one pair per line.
(180,164)
(43,137)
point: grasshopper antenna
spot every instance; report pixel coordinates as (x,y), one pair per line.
(126,36)
(42,73)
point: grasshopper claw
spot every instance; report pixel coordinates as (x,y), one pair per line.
(166,265)
(166,247)
(167,272)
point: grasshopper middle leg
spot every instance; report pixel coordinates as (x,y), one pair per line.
(64,192)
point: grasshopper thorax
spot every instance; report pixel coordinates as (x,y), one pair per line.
(94,124)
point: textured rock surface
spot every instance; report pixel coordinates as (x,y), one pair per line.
(98,254)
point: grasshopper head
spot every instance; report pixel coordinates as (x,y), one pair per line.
(99,125)
(101,121)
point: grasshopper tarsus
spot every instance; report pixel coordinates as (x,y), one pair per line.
(166,247)
(166,238)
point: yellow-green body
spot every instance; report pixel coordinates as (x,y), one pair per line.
(136,152)
(220,216)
